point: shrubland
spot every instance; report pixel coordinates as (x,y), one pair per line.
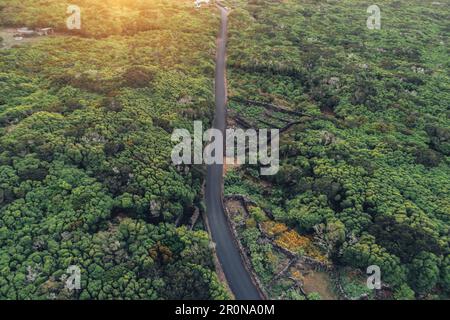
(86,177)
(369,159)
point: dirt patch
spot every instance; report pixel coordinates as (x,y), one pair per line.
(231,123)
(9,41)
(235,208)
(320,282)
(328,111)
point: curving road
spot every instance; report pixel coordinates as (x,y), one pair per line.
(230,259)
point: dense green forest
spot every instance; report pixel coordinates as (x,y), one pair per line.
(85,172)
(86,117)
(365,148)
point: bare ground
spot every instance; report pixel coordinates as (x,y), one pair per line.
(9,41)
(320,282)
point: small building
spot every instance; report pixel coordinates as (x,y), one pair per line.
(24,33)
(45,31)
(28,33)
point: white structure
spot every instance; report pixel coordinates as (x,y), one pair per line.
(198,3)
(44,31)
(25,33)
(28,33)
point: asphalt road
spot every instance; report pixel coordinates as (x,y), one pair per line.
(237,276)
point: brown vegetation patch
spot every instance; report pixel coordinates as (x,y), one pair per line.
(320,282)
